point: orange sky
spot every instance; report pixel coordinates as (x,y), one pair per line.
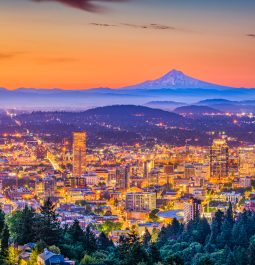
(49,45)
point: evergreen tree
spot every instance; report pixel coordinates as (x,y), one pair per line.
(122,250)
(136,254)
(216,227)
(218,219)
(103,242)
(230,259)
(203,229)
(132,236)
(240,256)
(226,233)
(146,238)
(174,260)
(198,230)
(205,261)
(89,243)
(26,226)
(252,251)
(175,228)
(76,232)
(47,226)
(4,245)
(2,222)
(154,254)
(162,236)
(229,214)
(239,235)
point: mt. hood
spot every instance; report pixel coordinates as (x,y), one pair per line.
(173,80)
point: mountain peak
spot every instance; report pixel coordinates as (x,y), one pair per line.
(173,76)
(175,72)
(175,79)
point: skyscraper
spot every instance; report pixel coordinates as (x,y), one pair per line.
(122,177)
(247,161)
(79,153)
(219,159)
(148,165)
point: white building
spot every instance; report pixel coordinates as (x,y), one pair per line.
(140,201)
(91,179)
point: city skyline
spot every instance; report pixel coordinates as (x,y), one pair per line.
(119,43)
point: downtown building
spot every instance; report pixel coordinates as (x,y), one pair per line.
(79,153)
(246,161)
(123,177)
(219,161)
(140,201)
(192,209)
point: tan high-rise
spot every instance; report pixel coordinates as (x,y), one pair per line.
(79,153)
(219,159)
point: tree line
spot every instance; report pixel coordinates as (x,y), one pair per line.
(228,240)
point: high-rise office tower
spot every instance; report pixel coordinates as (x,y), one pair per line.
(79,153)
(247,161)
(219,159)
(153,177)
(122,177)
(189,171)
(148,165)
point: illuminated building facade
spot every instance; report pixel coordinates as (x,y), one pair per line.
(79,153)
(247,161)
(219,159)
(148,165)
(192,209)
(122,177)
(140,201)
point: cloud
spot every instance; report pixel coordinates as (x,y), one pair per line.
(150,26)
(85,5)
(9,55)
(103,24)
(251,35)
(137,26)
(4,56)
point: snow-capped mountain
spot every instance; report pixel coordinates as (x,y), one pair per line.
(173,80)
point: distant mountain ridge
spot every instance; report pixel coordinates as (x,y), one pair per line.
(174,79)
(225,101)
(196,110)
(166,92)
(131,124)
(115,114)
(229,105)
(168,102)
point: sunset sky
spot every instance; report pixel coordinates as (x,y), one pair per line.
(48,43)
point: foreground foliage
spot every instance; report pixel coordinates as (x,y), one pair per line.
(228,240)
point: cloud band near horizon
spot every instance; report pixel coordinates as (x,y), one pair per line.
(85,5)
